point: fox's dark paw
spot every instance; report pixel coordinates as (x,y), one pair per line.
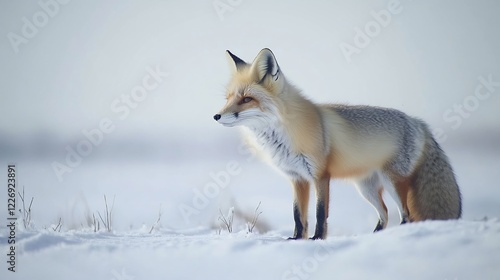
(297,236)
(379,226)
(315,237)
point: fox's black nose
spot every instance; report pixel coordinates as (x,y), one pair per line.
(216,117)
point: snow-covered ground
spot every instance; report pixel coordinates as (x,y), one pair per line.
(170,171)
(429,250)
(195,247)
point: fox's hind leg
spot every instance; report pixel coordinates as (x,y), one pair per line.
(371,189)
(300,205)
(399,196)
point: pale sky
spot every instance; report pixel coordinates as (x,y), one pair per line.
(88,54)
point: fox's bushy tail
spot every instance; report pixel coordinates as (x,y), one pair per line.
(435,194)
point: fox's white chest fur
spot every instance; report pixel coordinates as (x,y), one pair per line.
(275,144)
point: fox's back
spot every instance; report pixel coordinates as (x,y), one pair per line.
(369,136)
(369,120)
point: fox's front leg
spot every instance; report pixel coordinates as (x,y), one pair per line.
(322,205)
(300,204)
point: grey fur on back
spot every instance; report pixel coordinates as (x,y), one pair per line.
(434,193)
(409,132)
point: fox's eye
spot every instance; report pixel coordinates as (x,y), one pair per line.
(247,99)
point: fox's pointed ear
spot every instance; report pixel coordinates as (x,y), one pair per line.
(265,66)
(236,62)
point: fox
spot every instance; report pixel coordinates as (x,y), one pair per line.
(378,149)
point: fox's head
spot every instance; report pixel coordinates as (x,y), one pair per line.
(253,92)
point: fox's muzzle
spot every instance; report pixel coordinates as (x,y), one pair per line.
(216,117)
